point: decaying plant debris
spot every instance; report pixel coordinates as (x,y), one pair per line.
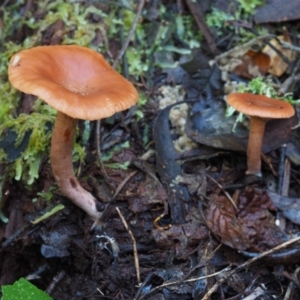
(180,219)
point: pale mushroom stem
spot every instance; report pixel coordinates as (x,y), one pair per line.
(62,165)
(257,129)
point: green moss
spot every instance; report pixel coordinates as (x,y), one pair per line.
(9,101)
(38,124)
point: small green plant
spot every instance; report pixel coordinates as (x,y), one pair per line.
(140,104)
(249,6)
(265,86)
(23,290)
(218,19)
(106,157)
(48,214)
(153,43)
(242,10)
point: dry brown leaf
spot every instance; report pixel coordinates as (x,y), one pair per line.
(253,64)
(221,219)
(251,227)
(241,57)
(257,222)
(277,65)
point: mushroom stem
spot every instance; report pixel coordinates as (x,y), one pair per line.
(62,165)
(257,128)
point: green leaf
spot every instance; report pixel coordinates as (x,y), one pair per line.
(23,290)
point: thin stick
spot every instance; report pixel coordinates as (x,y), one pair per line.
(180,282)
(98,147)
(121,185)
(131,32)
(56,279)
(230,273)
(280,221)
(247,264)
(135,253)
(227,195)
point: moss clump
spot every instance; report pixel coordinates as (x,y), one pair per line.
(34,131)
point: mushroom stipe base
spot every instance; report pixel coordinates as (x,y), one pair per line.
(62,165)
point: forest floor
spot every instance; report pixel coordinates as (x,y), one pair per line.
(182,220)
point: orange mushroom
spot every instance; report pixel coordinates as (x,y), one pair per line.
(260,109)
(80,84)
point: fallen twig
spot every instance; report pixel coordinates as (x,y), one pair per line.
(180,282)
(197,13)
(226,194)
(135,253)
(131,32)
(98,147)
(121,185)
(247,264)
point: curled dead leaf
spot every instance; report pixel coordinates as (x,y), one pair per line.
(221,219)
(253,64)
(277,65)
(252,226)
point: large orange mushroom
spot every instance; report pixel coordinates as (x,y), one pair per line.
(260,109)
(80,84)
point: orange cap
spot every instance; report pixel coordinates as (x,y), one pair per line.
(74,80)
(260,106)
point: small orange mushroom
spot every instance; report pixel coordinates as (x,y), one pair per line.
(260,109)
(80,84)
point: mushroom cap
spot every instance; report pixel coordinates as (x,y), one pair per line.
(260,106)
(74,80)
